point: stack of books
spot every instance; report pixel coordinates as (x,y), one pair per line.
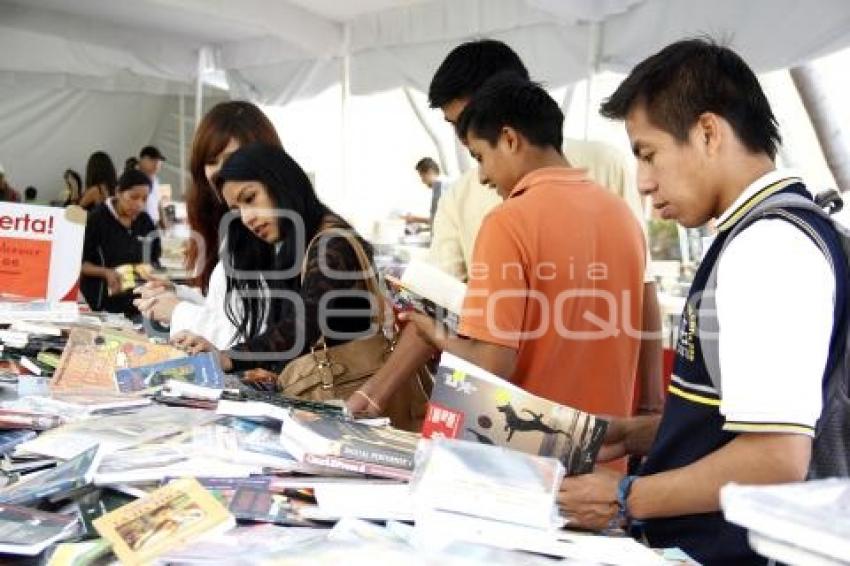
(338,443)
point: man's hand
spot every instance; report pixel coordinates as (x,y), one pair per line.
(589,501)
(631,436)
(430,330)
(614,444)
(194,344)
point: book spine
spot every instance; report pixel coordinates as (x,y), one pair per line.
(35,422)
(357,467)
(371,455)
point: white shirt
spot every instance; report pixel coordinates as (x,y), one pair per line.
(152,204)
(775,299)
(207,317)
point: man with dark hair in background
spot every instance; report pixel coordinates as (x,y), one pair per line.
(30,194)
(429,174)
(150,163)
(705,138)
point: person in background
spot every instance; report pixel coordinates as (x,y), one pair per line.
(101,180)
(225,128)
(279,215)
(118,232)
(706,140)
(7,193)
(30,195)
(131,162)
(150,163)
(429,174)
(73,187)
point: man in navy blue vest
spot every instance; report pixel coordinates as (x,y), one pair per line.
(705,139)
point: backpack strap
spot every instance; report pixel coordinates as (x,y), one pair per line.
(777,205)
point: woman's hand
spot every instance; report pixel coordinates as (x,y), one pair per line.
(362,403)
(155,284)
(156,304)
(260,377)
(113,280)
(193,344)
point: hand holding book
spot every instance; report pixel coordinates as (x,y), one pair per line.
(433,332)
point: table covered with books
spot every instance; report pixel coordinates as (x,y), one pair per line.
(118,448)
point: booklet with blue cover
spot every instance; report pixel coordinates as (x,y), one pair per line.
(201,369)
(64,478)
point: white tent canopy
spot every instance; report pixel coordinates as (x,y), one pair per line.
(278,50)
(136,55)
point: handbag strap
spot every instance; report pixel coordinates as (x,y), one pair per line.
(371,280)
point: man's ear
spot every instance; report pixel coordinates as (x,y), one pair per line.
(709,133)
(511,139)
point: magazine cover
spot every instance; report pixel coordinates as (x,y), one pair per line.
(262,506)
(165,519)
(91,357)
(404,298)
(201,369)
(471,403)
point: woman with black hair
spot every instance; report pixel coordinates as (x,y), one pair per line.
(276,220)
(117,232)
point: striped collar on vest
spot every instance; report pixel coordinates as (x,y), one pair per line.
(741,206)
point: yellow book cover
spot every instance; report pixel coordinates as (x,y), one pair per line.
(134,274)
(167,518)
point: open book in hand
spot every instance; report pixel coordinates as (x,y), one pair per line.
(428,290)
(471,403)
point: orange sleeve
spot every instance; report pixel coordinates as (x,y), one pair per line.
(495,302)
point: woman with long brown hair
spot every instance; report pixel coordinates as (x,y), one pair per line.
(225,128)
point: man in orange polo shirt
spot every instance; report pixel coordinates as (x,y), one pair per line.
(556,281)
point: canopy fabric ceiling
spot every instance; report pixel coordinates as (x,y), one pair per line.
(274,51)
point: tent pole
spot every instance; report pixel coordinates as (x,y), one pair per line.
(345,87)
(821,109)
(441,154)
(199,87)
(181,136)
(594,47)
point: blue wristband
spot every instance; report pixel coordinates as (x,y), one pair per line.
(623,490)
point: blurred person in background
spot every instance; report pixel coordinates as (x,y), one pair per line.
(73,187)
(117,232)
(101,180)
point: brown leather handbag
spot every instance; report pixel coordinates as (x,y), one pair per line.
(336,372)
